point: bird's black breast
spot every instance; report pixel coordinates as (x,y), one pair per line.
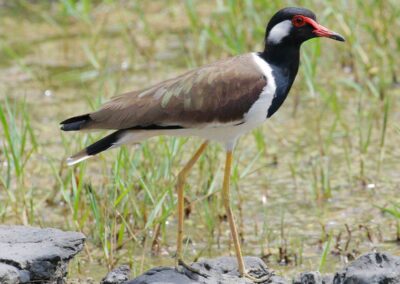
(283,82)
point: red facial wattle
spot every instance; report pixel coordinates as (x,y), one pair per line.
(319,30)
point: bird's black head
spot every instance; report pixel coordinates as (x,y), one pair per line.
(294,26)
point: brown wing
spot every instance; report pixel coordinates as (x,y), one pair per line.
(221,92)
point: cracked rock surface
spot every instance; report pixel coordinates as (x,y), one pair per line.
(117,276)
(371,268)
(29,254)
(222,270)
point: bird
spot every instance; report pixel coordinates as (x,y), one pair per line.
(218,102)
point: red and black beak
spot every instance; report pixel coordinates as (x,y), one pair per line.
(321,31)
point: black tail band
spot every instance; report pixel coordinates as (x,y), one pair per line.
(75,123)
(104,143)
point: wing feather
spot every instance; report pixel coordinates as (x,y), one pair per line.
(222,92)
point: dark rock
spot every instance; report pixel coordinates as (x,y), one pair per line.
(117,276)
(36,254)
(221,270)
(371,268)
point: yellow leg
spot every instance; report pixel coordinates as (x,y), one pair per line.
(227,205)
(180,188)
(231,220)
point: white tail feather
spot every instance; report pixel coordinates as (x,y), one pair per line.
(75,159)
(126,138)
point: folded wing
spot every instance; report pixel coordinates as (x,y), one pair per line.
(217,93)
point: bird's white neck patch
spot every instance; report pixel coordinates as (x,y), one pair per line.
(279,31)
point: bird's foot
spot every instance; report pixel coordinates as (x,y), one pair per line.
(182,263)
(264,279)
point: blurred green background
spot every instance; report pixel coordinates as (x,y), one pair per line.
(315,187)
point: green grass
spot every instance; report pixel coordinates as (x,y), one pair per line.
(329,156)
(18,144)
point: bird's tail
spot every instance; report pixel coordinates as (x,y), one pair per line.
(103,144)
(112,140)
(75,123)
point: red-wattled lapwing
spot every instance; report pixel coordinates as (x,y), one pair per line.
(217,102)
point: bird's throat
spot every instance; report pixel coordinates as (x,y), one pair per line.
(284,62)
(283,56)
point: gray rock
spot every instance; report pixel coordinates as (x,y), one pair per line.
(37,254)
(157,275)
(117,276)
(313,277)
(9,274)
(327,279)
(221,270)
(309,278)
(371,268)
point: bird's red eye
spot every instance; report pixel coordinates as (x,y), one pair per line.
(298,21)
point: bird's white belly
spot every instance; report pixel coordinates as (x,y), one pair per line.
(226,135)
